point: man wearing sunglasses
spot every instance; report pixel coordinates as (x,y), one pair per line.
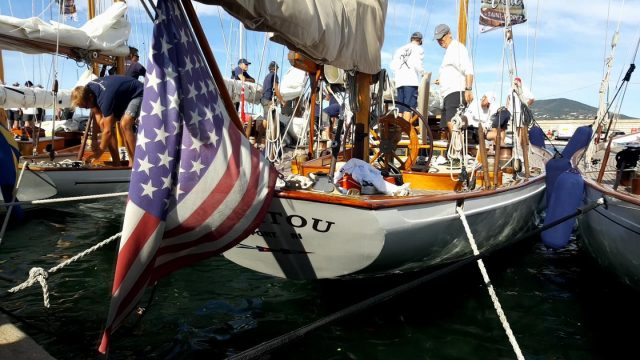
(456,75)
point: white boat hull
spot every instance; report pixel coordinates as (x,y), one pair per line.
(611,233)
(39,184)
(84,181)
(302,239)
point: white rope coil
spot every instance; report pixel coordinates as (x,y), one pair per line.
(492,292)
(40,275)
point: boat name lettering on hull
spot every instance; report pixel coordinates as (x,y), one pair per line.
(297,221)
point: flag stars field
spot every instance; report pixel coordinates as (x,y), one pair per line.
(165,159)
(161,135)
(144,165)
(148,189)
(142,139)
(153,80)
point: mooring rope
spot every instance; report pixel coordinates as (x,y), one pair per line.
(38,274)
(492,292)
(281,340)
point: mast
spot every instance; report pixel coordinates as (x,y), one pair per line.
(91,13)
(241,32)
(602,115)
(361,132)
(3,119)
(462,21)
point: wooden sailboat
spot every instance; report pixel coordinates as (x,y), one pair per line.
(318,233)
(62,172)
(611,233)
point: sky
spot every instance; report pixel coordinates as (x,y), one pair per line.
(560,51)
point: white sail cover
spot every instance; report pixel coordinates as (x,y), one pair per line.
(252,91)
(293,83)
(347,34)
(107,32)
(32,97)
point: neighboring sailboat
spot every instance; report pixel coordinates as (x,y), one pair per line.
(62,172)
(603,170)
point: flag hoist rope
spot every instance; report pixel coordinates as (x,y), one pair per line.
(492,292)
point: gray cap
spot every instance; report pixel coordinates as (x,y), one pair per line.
(416,35)
(441,30)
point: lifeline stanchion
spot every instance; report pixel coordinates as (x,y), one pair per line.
(492,291)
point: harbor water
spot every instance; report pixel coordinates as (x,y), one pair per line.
(560,304)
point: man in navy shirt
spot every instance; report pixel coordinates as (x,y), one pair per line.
(240,72)
(329,114)
(270,89)
(135,69)
(112,98)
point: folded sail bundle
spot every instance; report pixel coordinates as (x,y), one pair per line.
(30,97)
(252,91)
(106,33)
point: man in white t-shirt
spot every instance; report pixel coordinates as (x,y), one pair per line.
(480,111)
(408,69)
(456,75)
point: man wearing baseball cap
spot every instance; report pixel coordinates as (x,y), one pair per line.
(240,72)
(408,69)
(271,89)
(456,75)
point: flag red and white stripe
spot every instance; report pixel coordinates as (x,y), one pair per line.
(197,186)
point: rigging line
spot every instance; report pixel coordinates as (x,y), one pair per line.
(606,40)
(24,69)
(262,56)
(571,90)
(224,38)
(426,25)
(535,44)
(616,39)
(412,13)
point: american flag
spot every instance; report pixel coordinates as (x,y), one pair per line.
(197,186)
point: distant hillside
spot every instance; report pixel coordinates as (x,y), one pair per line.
(564,109)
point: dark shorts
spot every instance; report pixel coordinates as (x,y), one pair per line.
(12,115)
(501,117)
(450,107)
(133,109)
(407,95)
(266,104)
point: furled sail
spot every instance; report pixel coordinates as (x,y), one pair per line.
(252,91)
(106,33)
(32,97)
(493,13)
(347,34)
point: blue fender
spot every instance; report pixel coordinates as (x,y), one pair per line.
(536,136)
(564,200)
(580,138)
(554,168)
